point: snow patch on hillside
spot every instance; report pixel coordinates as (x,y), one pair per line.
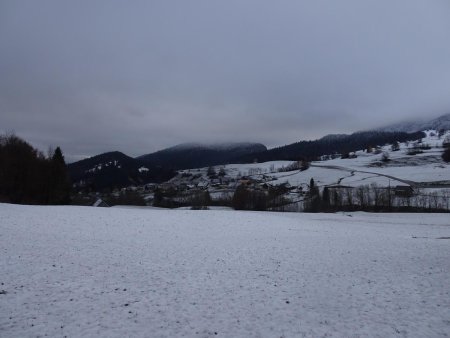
(101,166)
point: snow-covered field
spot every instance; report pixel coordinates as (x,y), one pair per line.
(93,272)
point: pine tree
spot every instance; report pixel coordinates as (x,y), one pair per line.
(158,197)
(313,203)
(240,199)
(395,146)
(446,155)
(326,199)
(211,173)
(59,183)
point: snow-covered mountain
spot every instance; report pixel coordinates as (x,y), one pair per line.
(441,122)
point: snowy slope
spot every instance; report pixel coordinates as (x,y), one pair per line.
(93,272)
(367,168)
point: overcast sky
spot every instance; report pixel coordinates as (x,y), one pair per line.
(138,76)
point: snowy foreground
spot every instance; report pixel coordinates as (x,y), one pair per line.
(89,272)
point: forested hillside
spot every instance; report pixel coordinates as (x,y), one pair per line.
(329,145)
(115,170)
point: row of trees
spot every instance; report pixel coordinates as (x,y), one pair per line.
(246,198)
(170,198)
(28,176)
(243,198)
(374,198)
(296,165)
(371,198)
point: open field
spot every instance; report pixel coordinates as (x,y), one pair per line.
(118,272)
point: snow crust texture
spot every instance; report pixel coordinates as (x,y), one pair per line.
(112,272)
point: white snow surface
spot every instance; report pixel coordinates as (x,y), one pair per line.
(118,272)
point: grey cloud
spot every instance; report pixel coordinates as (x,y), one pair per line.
(137,76)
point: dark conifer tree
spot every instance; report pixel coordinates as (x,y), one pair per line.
(326,199)
(59,180)
(158,197)
(313,201)
(446,155)
(240,198)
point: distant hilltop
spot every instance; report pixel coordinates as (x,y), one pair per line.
(197,155)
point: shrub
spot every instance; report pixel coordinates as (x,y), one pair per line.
(446,143)
(127,198)
(395,146)
(247,199)
(385,157)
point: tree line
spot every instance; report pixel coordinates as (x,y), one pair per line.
(27,176)
(374,198)
(369,198)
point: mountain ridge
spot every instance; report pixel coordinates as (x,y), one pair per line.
(195,155)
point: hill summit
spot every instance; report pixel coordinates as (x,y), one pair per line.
(196,155)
